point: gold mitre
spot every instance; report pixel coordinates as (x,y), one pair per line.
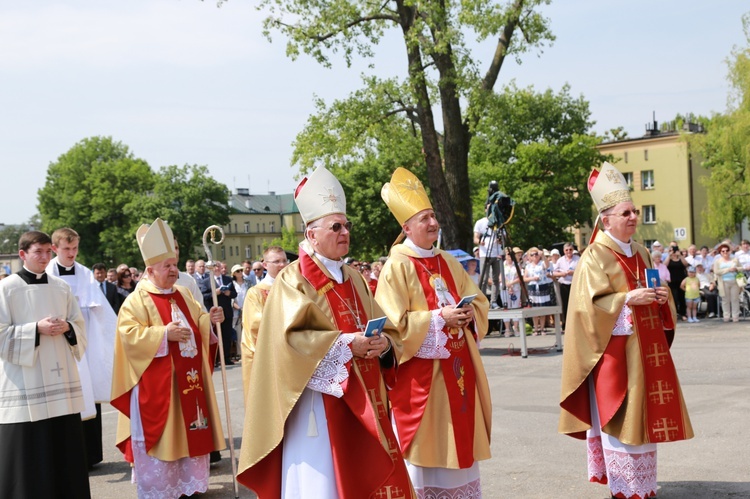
(156,242)
(608,187)
(405,195)
(319,195)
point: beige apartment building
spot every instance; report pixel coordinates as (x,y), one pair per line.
(665,181)
(256,220)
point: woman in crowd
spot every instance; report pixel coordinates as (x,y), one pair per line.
(725,270)
(659,265)
(511,295)
(125,283)
(540,285)
(677,266)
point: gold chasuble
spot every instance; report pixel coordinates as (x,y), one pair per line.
(252,312)
(637,391)
(164,389)
(442,407)
(298,328)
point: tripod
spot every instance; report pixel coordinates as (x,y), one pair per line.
(495,234)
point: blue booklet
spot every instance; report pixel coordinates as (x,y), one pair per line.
(374,326)
(465,301)
(652,278)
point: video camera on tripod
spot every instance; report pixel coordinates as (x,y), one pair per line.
(499,211)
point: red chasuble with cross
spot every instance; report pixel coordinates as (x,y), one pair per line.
(155,388)
(410,395)
(663,411)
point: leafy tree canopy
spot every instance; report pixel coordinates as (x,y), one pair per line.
(88,189)
(448,71)
(537,147)
(188,199)
(99,189)
(725,149)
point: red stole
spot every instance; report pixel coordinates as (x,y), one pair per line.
(410,395)
(356,419)
(155,389)
(663,411)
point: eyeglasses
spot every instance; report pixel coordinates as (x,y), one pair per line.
(126,275)
(257,270)
(725,250)
(534,254)
(336,226)
(627,213)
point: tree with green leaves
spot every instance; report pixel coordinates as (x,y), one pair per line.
(288,240)
(188,199)
(538,148)
(89,189)
(442,72)
(725,149)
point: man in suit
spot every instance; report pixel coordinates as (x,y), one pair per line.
(109,289)
(225,293)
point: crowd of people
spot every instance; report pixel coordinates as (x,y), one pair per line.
(345,364)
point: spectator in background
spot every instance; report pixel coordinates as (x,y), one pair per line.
(200,271)
(691,287)
(376,268)
(258,272)
(692,256)
(563,271)
(539,285)
(190,268)
(656,256)
(225,293)
(677,266)
(239,302)
(136,274)
(707,258)
(125,284)
(472,268)
(112,276)
(490,253)
(743,255)
(725,270)
(708,290)
(109,289)
(657,246)
(511,295)
(554,256)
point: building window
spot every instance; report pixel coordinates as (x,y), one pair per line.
(235,227)
(647,179)
(247,227)
(649,214)
(248,252)
(625,156)
(645,155)
(628,178)
(273,226)
(223,253)
(649,243)
(237,250)
(230,251)
(264,227)
(257,227)
(259,252)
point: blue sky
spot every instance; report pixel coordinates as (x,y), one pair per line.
(182,81)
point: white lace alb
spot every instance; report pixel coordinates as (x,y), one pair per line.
(433,346)
(331,371)
(623,325)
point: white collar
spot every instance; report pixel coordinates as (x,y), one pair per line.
(268,279)
(625,247)
(423,253)
(38,276)
(333,266)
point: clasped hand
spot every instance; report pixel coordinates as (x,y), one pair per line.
(457,317)
(52,326)
(368,347)
(646,296)
(177,332)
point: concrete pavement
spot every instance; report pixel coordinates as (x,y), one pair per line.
(530,459)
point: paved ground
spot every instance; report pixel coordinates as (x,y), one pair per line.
(530,459)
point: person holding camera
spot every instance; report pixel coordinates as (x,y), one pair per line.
(677,266)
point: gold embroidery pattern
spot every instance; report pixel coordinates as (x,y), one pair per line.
(665,429)
(194,382)
(661,392)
